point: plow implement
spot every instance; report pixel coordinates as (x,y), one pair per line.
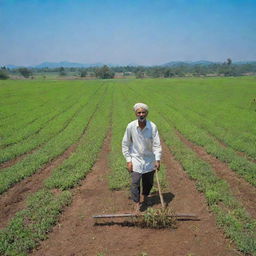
(178,216)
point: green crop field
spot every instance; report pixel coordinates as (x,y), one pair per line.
(41,120)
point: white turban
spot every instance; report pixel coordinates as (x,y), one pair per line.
(140,105)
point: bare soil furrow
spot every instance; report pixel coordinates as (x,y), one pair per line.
(77,235)
(241,189)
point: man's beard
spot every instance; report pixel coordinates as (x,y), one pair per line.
(141,119)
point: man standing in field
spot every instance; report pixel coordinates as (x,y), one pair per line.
(142,150)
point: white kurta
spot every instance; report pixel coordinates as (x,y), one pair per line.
(141,147)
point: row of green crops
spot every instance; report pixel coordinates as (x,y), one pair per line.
(56,126)
(119,176)
(21,100)
(13,133)
(32,224)
(36,134)
(231,215)
(54,147)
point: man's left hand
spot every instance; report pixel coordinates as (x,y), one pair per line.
(157,165)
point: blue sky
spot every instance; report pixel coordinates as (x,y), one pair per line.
(144,32)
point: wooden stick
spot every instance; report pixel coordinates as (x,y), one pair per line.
(127,215)
(159,189)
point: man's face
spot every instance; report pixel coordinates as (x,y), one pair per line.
(141,114)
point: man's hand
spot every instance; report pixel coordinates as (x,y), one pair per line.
(129,166)
(157,165)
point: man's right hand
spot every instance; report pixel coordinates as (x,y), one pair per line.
(129,166)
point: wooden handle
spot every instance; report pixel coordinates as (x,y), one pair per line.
(159,189)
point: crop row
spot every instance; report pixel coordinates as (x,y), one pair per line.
(13,133)
(231,215)
(207,117)
(119,177)
(22,98)
(53,128)
(32,224)
(34,119)
(54,147)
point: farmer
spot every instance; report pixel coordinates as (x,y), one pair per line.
(142,150)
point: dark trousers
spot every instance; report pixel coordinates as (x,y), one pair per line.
(147,184)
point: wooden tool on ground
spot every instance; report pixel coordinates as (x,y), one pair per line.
(179,216)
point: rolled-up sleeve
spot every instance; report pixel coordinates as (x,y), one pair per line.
(157,149)
(126,142)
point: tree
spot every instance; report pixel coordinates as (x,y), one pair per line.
(104,72)
(155,72)
(3,73)
(227,69)
(83,73)
(168,73)
(139,74)
(229,61)
(62,71)
(25,72)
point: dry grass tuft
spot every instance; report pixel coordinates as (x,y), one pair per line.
(158,218)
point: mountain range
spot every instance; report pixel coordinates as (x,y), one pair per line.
(67,64)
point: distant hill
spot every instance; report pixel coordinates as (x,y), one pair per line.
(66,64)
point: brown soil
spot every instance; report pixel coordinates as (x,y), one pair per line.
(241,189)
(76,233)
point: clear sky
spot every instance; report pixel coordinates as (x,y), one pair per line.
(144,32)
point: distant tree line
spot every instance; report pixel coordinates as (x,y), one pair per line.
(176,70)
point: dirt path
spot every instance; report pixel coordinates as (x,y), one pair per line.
(241,189)
(76,234)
